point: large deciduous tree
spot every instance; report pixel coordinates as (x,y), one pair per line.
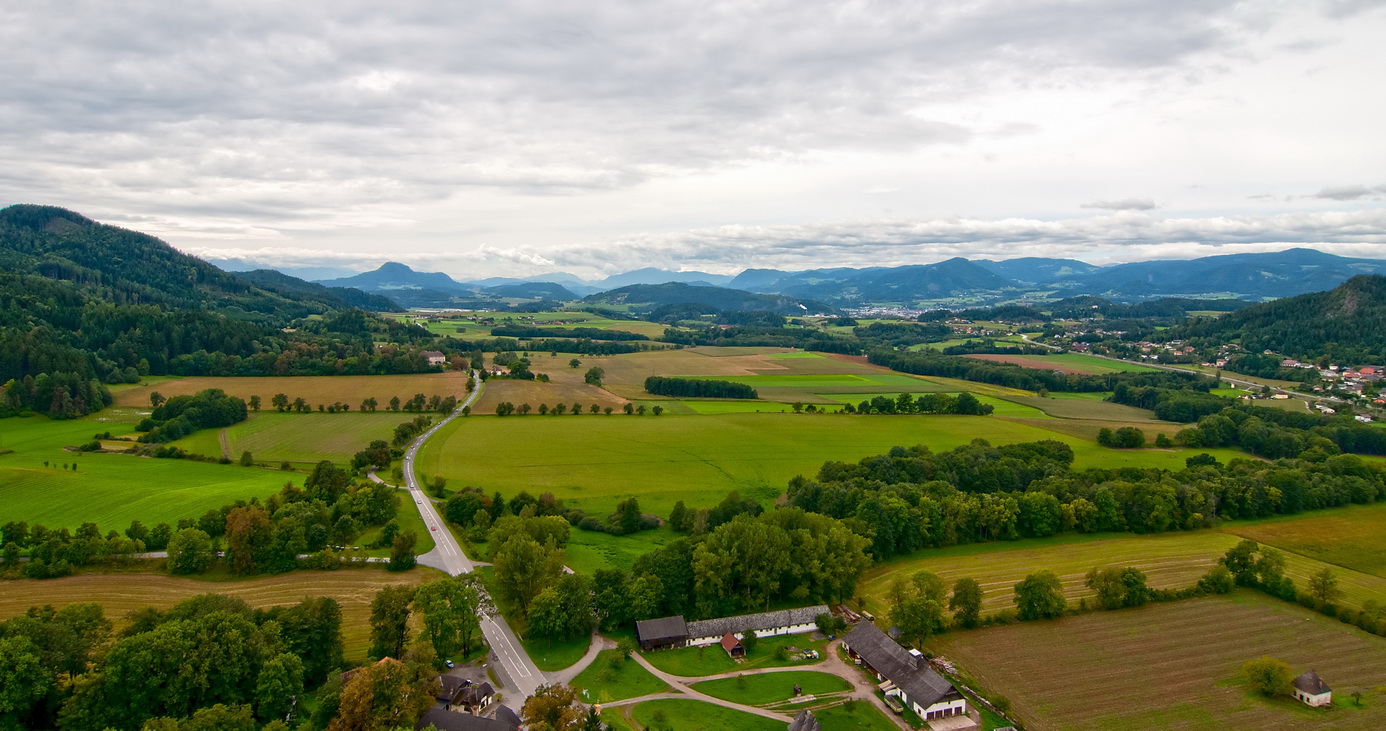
(1040,596)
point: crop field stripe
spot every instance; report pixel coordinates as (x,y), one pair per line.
(123,593)
(1166,665)
(351,390)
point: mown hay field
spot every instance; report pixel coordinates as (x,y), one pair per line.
(594,462)
(1169,561)
(564,389)
(1352,537)
(1173,665)
(304,439)
(123,593)
(110,489)
(350,390)
(1067,362)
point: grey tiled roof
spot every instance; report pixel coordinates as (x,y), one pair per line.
(918,681)
(804,722)
(757,622)
(455,721)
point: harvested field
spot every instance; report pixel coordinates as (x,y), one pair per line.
(1088,429)
(124,593)
(307,439)
(1169,560)
(1173,665)
(1065,362)
(350,390)
(626,374)
(534,393)
(1353,537)
(1090,409)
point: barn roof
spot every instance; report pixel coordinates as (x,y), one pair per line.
(729,642)
(758,622)
(664,628)
(804,722)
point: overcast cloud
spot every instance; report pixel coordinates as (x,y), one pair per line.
(521,137)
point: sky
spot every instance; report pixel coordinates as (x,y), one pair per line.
(536,136)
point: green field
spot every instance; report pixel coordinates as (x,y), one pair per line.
(1169,560)
(1173,665)
(587,551)
(600,682)
(110,489)
(736,407)
(756,690)
(595,462)
(691,715)
(1352,537)
(273,437)
(826,381)
(697,662)
(853,716)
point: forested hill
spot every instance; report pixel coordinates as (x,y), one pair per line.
(83,305)
(1347,323)
(312,292)
(127,267)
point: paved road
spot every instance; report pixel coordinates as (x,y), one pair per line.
(510,658)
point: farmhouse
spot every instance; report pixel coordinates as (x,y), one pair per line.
(654,634)
(461,694)
(1311,689)
(434,357)
(765,624)
(905,676)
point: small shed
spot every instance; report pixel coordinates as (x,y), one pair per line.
(663,632)
(732,646)
(1311,689)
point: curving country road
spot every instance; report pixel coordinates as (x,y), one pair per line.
(510,657)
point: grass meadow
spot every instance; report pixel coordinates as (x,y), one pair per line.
(594,462)
(600,682)
(1173,665)
(110,489)
(123,593)
(771,687)
(676,714)
(696,662)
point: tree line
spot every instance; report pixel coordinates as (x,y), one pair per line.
(698,388)
(912,498)
(182,415)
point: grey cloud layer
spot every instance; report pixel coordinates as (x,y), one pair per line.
(265,124)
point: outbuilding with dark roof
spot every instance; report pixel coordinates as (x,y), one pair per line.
(1311,689)
(904,675)
(654,634)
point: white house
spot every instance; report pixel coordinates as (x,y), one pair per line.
(1311,689)
(434,357)
(904,675)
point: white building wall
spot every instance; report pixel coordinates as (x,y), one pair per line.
(950,708)
(1321,699)
(770,632)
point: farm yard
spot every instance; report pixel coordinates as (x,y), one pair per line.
(1172,665)
(594,462)
(123,593)
(350,390)
(109,489)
